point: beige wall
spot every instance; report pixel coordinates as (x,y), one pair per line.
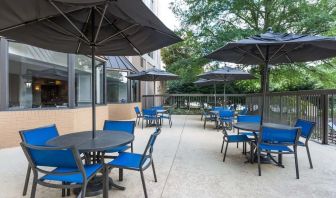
(122,111)
(66,120)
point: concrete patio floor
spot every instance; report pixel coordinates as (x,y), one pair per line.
(189,164)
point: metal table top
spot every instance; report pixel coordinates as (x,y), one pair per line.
(104,140)
(254,127)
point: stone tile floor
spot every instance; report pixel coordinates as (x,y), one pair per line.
(189,164)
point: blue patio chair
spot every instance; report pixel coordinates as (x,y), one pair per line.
(150,116)
(67,170)
(137,162)
(233,139)
(307,128)
(123,126)
(278,141)
(138,114)
(226,118)
(38,137)
(250,119)
(209,117)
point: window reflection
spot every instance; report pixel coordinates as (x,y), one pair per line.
(37,77)
(116,86)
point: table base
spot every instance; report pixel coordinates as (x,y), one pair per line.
(95,187)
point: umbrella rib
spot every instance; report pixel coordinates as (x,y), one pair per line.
(278,50)
(84,28)
(67,18)
(249,53)
(286,53)
(69,32)
(32,21)
(260,52)
(116,34)
(100,22)
(122,34)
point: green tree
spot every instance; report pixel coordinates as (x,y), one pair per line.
(209,24)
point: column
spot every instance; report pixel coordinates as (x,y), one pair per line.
(4,94)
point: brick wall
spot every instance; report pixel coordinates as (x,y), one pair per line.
(66,120)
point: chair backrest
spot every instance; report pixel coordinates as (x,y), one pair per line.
(137,110)
(149,147)
(271,135)
(41,156)
(149,112)
(125,126)
(226,114)
(39,136)
(249,118)
(307,127)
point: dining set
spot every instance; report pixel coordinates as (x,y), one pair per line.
(264,139)
(154,116)
(82,163)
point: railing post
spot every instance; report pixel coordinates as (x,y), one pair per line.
(325,109)
(280,107)
(189,102)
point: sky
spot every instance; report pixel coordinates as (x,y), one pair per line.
(166,15)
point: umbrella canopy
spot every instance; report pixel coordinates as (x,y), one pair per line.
(205,82)
(89,27)
(227,74)
(126,27)
(120,63)
(153,74)
(275,48)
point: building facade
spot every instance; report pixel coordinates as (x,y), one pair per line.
(41,87)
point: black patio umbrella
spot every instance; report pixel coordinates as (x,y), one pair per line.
(275,48)
(154,75)
(226,74)
(120,63)
(89,27)
(214,82)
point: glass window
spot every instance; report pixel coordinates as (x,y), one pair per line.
(37,77)
(116,86)
(83,80)
(135,90)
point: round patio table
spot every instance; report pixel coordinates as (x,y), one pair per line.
(256,127)
(105,140)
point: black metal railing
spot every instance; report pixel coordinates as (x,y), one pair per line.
(281,107)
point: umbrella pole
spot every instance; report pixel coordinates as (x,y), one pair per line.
(224,100)
(264,86)
(215,94)
(154,94)
(93,93)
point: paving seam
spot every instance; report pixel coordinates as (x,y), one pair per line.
(178,147)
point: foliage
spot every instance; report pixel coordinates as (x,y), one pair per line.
(208,24)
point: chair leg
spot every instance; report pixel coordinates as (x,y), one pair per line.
(259,169)
(33,190)
(105,182)
(237,134)
(226,147)
(153,167)
(142,123)
(63,190)
(296,164)
(132,147)
(143,183)
(83,191)
(222,146)
(68,192)
(170,122)
(204,123)
(26,181)
(309,158)
(121,174)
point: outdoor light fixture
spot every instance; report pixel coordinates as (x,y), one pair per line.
(28,84)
